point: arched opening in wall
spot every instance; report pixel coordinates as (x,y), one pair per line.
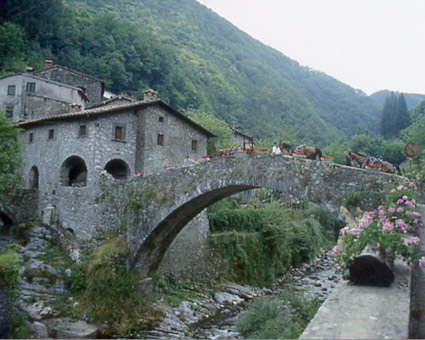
(73,172)
(33,178)
(117,168)
(5,220)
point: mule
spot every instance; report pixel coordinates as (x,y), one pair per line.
(384,166)
(310,152)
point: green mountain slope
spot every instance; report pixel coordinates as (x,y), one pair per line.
(246,81)
(412,99)
(195,59)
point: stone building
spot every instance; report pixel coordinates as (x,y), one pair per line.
(65,154)
(140,137)
(93,88)
(27,97)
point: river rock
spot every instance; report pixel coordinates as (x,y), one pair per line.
(40,330)
(67,328)
(227,298)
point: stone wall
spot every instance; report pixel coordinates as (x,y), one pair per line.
(92,87)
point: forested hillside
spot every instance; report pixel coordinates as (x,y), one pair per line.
(191,56)
(412,99)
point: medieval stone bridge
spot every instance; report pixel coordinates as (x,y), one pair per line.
(154,209)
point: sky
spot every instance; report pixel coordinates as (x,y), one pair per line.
(370,45)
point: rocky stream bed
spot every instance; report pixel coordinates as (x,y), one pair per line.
(212,316)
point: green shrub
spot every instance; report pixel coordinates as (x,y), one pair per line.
(109,293)
(277,317)
(10,263)
(260,244)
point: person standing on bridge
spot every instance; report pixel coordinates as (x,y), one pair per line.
(188,161)
(348,159)
(276,149)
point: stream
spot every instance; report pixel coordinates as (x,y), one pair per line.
(318,279)
(190,320)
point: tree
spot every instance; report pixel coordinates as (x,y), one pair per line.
(10,161)
(387,125)
(402,118)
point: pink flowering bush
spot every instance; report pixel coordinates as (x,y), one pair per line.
(394,227)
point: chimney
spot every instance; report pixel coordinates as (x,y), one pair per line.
(48,63)
(150,95)
(29,69)
(75,107)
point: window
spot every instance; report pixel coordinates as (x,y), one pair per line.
(31,137)
(119,133)
(51,134)
(9,111)
(160,140)
(11,89)
(161,119)
(30,87)
(82,131)
(194,145)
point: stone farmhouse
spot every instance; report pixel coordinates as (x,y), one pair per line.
(72,134)
(140,137)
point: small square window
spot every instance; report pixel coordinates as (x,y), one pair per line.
(161,119)
(119,133)
(30,87)
(31,137)
(11,90)
(83,131)
(160,140)
(9,111)
(51,134)
(194,145)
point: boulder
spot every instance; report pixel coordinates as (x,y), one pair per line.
(67,328)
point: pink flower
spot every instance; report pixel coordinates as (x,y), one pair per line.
(400,201)
(405,197)
(381,212)
(414,240)
(392,190)
(416,214)
(380,207)
(391,210)
(400,210)
(422,261)
(400,187)
(388,226)
(336,249)
(408,203)
(412,184)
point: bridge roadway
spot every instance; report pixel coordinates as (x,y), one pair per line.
(157,207)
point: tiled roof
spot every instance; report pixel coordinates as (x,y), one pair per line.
(115,108)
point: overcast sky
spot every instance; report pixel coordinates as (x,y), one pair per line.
(370,45)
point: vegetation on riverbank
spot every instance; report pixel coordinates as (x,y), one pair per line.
(282,316)
(264,241)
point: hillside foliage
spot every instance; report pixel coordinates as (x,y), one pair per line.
(191,56)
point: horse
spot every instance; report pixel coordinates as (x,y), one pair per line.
(225,152)
(384,166)
(309,151)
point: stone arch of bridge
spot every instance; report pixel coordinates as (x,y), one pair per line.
(149,257)
(193,189)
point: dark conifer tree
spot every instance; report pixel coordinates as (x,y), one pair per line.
(387,126)
(403,119)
